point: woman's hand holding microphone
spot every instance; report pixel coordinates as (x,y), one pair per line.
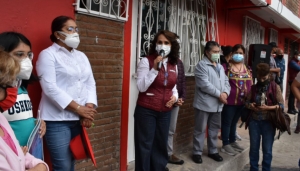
(156,61)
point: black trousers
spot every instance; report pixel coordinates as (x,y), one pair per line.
(291,103)
(151,130)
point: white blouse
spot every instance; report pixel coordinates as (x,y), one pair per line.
(145,77)
(64,76)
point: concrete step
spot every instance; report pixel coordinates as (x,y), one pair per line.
(230,163)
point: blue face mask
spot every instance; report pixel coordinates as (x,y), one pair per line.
(238,58)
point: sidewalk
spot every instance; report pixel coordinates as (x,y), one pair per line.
(286,153)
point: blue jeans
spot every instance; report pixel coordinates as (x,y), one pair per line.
(58,137)
(150,137)
(230,116)
(264,130)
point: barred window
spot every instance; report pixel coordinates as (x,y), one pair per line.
(273,36)
(195,21)
(109,9)
(251,33)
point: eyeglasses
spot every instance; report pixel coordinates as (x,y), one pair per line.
(72,29)
(166,78)
(23,55)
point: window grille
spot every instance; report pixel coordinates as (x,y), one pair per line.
(251,33)
(273,36)
(262,35)
(186,18)
(110,9)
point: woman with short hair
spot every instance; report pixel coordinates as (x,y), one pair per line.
(263,100)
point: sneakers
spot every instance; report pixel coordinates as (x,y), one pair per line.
(237,147)
(175,160)
(238,137)
(297,130)
(228,150)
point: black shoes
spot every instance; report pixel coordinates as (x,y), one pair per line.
(197,159)
(175,160)
(167,169)
(216,157)
(294,112)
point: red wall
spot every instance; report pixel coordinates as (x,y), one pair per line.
(230,23)
(33,19)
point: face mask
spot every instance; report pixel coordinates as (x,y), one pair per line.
(10,100)
(26,69)
(298,58)
(215,57)
(166,48)
(263,83)
(279,56)
(238,58)
(71,40)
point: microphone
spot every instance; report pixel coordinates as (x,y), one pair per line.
(161,53)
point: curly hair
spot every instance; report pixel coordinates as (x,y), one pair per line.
(9,68)
(172,37)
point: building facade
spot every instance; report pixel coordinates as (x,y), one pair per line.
(115,35)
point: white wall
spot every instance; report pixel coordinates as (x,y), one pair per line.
(285,83)
(133,92)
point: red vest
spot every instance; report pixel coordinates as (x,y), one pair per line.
(292,72)
(158,94)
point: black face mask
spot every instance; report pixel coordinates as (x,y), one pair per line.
(279,56)
(263,83)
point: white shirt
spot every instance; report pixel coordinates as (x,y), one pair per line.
(145,77)
(64,76)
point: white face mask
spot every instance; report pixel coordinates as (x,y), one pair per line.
(166,48)
(298,58)
(71,40)
(26,69)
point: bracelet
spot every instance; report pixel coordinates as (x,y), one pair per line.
(77,108)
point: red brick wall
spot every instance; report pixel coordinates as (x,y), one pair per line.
(106,58)
(293,5)
(185,123)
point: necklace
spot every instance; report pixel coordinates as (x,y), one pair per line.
(239,69)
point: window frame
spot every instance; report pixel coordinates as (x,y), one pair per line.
(111,15)
(176,6)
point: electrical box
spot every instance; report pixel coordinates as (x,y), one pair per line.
(258,53)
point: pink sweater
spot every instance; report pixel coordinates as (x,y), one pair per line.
(9,161)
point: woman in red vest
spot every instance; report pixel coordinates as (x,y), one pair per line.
(156,82)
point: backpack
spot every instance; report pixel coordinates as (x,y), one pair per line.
(280,119)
